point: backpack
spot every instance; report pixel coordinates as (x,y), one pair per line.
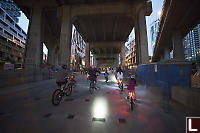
(106,74)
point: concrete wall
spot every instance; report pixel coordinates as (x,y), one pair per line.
(189,97)
(9,78)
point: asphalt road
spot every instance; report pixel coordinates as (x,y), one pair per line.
(27,108)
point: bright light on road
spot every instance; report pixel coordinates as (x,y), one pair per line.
(113,79)
(100,107)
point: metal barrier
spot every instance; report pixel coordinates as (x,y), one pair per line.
(165,75)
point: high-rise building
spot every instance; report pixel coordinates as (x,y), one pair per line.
(11,8)
(77,50)
(192,45)
(154,31)
(12,36)
(130,54)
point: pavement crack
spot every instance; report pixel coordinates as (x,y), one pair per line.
(48,115)
(70,116)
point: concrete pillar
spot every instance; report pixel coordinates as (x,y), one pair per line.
(65,37)
(122,54)
(51,56)
(166,54)
(141,38)
(178,49)
(56,54)
(95,61)
(87,55)
(116,62)
(34,47)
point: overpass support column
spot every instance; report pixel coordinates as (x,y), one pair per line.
(87,55)
(34,48)
(178,49)
(122,54)
(166,54)
(51,59)
(56,54)
(141,38)
(94,61)
(65,37)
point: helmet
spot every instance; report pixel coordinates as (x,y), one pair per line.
(92,66)
(64,66)
(132,76)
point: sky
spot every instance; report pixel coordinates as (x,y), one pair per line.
(156,5)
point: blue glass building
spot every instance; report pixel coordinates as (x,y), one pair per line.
(192,45)
(154,31)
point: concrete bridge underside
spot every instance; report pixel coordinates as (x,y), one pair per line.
(177,19)
(103,24)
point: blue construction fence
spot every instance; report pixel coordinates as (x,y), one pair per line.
(165,75)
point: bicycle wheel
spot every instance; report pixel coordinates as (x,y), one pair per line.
(132,103)
(91,89)
(57,97)
(68,90)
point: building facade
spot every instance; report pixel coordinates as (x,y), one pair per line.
(77,51)
(12,38)
(154,31)
(192,45)
(11,8)
(130,54)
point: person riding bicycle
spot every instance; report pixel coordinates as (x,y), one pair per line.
(61,76)
(132,84)
(119,69)
(120,75)
(106,75)
(92,73)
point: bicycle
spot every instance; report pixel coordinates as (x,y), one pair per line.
(120,84)
(92,86)
(59,93)
(131,96)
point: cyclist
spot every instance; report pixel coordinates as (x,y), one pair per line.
(119,69)
(132,84)
(92,73)
(106,75)
(120,75)
(61,76)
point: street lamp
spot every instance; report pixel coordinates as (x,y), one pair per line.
(159,13)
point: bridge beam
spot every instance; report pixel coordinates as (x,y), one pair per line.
(34,48)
